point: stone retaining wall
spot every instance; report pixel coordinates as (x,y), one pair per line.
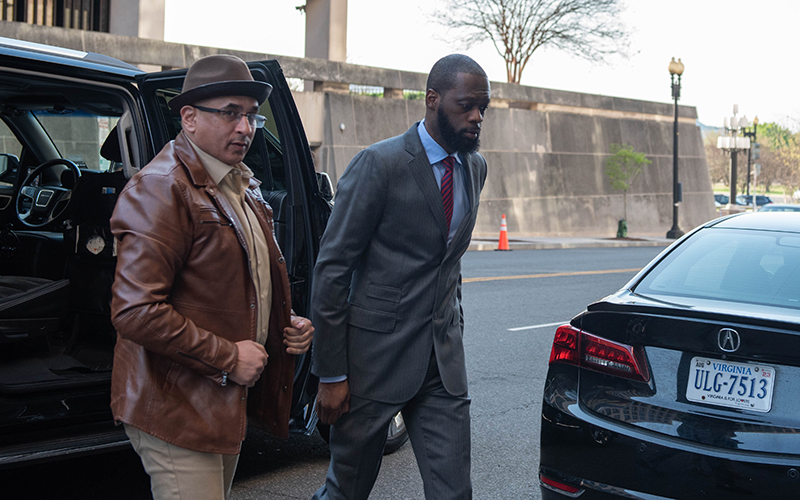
(545,148)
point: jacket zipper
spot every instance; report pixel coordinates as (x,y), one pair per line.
(221,223)
(224,373)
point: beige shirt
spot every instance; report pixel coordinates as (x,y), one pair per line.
(233,181)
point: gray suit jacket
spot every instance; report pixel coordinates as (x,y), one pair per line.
(387,287)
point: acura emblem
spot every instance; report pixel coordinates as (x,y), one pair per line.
(728,340)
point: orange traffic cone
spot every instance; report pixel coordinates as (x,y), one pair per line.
(503,244)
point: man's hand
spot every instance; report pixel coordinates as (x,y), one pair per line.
(250,362)
(333,401)
(297,338)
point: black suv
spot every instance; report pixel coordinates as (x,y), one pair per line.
(74,127)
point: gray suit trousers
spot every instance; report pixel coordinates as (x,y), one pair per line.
(438,426)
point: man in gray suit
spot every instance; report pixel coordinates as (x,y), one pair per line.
(387,293)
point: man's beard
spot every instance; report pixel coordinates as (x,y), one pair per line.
(453,139)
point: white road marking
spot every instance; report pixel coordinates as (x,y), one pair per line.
(533,327)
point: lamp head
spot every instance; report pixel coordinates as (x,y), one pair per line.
(676,67)
(673,67)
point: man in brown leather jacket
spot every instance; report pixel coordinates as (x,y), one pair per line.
(201,299)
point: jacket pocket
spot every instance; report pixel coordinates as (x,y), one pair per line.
(383,292)
(367,319)
(210,215)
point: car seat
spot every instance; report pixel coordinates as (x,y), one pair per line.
(90,246)
(30,307)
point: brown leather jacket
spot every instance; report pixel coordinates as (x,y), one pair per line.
(182,297)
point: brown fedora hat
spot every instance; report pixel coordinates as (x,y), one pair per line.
(217,76)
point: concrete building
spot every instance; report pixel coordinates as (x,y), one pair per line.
(139,18)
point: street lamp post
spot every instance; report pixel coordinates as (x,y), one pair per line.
(675,69)
(752,137)
(732,143)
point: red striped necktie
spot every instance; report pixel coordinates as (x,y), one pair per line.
(447,190)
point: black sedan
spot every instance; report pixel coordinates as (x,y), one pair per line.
(685,383)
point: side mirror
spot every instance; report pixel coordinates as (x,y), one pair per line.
(325,186)
(8,163)
(9,171)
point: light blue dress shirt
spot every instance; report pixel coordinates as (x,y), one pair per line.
(436,154)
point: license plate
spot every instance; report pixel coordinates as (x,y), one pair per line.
(729,384)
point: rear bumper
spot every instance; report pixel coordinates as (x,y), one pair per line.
(610,459)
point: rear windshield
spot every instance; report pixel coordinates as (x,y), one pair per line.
(757,267)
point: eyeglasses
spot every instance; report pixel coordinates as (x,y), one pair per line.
(255,120)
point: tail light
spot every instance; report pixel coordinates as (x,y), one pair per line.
(576,347)
(560,486)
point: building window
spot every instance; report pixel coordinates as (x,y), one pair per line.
(89,15)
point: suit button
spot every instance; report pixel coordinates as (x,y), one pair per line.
(252,306)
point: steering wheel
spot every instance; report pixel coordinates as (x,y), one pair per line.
(47,203)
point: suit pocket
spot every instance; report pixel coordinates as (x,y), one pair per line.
(383,292)
(367,319)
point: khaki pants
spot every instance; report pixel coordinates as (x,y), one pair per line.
(180,474)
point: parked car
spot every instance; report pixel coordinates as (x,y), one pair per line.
(747,199)
(74,127)
(683,384)
(780,207)
(721,199)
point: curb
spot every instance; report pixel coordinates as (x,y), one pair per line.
(566,243)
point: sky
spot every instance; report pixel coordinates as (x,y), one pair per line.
(735,51)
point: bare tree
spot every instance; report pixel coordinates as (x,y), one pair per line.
(518,28)
(788,161)
(773,167)
(718,161)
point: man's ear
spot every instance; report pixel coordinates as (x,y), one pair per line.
(188,118)
(431,99)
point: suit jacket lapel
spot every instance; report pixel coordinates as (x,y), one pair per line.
(472,188)
(420,167)
(469,182)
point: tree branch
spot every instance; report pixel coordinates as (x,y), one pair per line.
(518,28)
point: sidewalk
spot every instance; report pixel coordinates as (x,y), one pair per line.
(546,243)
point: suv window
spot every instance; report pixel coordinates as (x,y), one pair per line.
(10,147)
(79,135)
(8,141)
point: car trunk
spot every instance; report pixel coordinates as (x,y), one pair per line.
(684,349)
